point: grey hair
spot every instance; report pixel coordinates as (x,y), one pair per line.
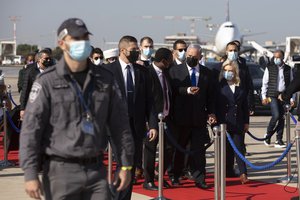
(194,46)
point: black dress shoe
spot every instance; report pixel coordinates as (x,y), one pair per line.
(150,186)
(175,181)
(201,185)
(166,184)
(189,175)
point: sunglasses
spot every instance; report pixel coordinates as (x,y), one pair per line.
(180,50)
(96,58)
(48,58)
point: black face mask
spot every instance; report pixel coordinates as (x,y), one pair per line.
(48,63)
(192,61)
(133,56)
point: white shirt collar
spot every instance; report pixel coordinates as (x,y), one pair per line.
(190,68)
(157,69)
(124,65)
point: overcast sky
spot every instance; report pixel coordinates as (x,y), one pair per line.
(109,20)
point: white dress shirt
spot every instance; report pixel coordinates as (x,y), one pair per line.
(197,72)
(39,67)
(280,81)
(159,74)
(124,72)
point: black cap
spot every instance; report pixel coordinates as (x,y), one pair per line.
(74,27)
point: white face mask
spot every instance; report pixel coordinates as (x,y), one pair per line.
(98,62)
(181,55)
(232,55)
(79,50)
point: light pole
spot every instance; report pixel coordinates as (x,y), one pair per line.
(14,19)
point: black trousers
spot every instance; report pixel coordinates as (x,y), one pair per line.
(138,145)
(238,139)
(197,136)
(150,154)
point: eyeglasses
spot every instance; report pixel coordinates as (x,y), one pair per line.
(48,58)
(180,50)
(96,58)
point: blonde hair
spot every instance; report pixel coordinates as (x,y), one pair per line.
(234,64)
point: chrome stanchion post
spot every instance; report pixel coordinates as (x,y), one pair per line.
(288,141)
(109,177)
(223,161)
(8,89)
(5,162)
(297,139)
(161,157)
(217,172)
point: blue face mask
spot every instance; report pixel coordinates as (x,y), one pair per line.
(181,55)
(277,61)
(147,52)
(80,50)
(228,75)
(232,55)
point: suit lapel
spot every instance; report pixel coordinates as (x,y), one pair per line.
(120,78)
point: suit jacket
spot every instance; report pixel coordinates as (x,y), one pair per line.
(293,87)
(246,82)
(191,110)
(30,74)
(232,107)
(143,100)
(157,91)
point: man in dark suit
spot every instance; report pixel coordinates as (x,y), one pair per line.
(232,52)
(32,70)
(193,106)
(179,50)
(161,90)
(264,60)
(135,85)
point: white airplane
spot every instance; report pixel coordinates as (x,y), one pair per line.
(227,32)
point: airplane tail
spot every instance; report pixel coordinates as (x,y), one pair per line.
(227,12)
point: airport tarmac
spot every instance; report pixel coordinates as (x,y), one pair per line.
(12,182)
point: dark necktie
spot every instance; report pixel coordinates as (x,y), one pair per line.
(130,91)
(193,77)
(165,92)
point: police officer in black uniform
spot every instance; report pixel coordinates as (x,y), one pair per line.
(63,132)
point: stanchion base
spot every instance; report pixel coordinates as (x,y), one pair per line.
(160,198)
(6,163)
(287,179)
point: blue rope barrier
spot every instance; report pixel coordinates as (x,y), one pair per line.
(12,123)
(11,99)
(255,167)
(293,118)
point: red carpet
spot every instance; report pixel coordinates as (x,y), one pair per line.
(234,190)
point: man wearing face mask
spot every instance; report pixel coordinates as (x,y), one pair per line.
(32,70)
(97,56)
(232,52)
(135,84)
(161,90)
(194,105)
(29,60)
(276,79)
(146,48)
(64,132)
(179,49)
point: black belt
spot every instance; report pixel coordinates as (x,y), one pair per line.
(83,161)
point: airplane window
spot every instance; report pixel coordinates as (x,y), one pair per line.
(231,26)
